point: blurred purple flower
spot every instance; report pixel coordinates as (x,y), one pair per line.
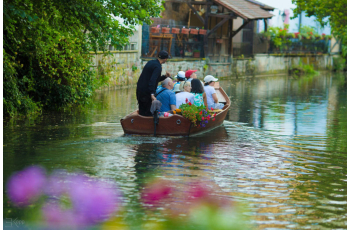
(55,185)
(56,216)
(25,186)
(93,200)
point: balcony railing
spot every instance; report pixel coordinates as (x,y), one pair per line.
(300,46)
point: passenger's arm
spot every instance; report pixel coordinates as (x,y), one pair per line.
(216,100)
(172,102)
(172,108)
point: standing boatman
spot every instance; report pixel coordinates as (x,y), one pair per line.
(148,82)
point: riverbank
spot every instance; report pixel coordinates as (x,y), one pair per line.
(124,67)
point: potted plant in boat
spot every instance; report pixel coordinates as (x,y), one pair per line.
(198,115)
(196,53)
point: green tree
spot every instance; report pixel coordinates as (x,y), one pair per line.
(46,45)
(334,11)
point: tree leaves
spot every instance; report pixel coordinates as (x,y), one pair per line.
(51,41)
(327,10)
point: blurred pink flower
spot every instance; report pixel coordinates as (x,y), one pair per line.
(156,192)
(24,187)
(198,190)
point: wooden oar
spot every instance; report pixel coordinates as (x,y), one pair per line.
(155,107)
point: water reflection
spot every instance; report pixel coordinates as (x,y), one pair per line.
(282,149)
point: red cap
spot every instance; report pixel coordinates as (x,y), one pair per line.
(189,73)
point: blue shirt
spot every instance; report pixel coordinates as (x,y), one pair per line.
(167,98)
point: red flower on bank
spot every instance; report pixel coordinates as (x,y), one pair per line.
(212,109)
(200,112)
(189,103)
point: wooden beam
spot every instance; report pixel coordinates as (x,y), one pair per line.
(230,25)
(196,13)
(241,27)
(206,26)
(265,23)
(232,16)
(201,3)
(207,16)
(218,25)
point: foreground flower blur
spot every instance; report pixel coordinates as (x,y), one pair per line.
(24,187)
(71,200)
(78,201)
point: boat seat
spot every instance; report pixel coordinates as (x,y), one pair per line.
(215,111)
(221,98)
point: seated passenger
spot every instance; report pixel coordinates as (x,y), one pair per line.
(166,96)
(190,74)
(212,99)
(200,97)
(179,77)
(184,96)
(176,88)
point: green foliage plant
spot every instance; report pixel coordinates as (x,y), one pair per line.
(327,11)
(134,68)
(303,69)
(198,115)
(339,63)
(46,47)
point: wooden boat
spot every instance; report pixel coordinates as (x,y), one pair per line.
(175,125)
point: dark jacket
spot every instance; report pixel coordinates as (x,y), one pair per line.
(150,77)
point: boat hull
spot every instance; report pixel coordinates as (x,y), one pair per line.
(175,125)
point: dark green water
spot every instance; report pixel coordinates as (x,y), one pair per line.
(281,150)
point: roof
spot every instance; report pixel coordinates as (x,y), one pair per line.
(262,5)
(246,9)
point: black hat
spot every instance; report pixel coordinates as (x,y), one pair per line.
(163,54)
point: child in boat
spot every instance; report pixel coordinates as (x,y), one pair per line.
(200,97)
(180,77)
(184,96)
(212,99)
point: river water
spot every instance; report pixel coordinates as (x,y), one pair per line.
(281,149)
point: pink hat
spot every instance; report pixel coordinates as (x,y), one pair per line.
(189,73)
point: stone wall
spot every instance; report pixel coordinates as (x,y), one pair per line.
(124,67)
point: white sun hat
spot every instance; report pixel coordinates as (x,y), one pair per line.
(210,78)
